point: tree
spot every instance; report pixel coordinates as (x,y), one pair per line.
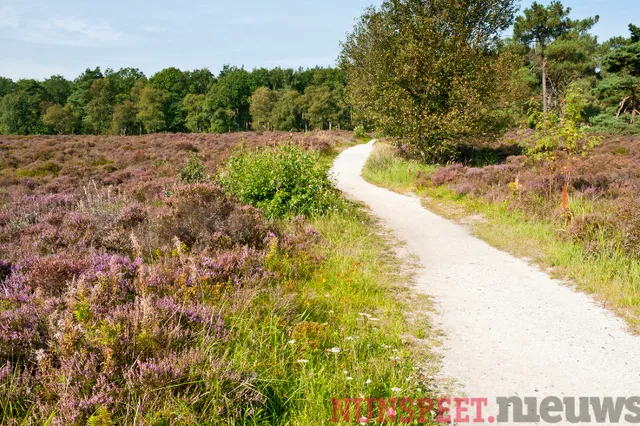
(81,94)
(196,119)
(124,121)
(263,101)
(99,110)
(123,80)
(287,113)
(426,73)
(200,81)
(621,69)
(228,99)
(58,89)
(6,86)
(541,26)
(174,84)
(149,108)
(20,113)
(61,119)
(320,106)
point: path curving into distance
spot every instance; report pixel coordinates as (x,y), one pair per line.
(510,329)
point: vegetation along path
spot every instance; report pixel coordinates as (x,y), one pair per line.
(510,329)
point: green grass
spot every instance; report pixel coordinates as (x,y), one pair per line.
(612,277)
(385,168)
(358,303)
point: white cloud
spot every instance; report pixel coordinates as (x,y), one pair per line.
(94,32)
(67,31)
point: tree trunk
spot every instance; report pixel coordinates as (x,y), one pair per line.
(624,101)
(545,100)
(634,106)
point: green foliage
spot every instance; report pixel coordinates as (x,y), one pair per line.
(150,111)
(429,76)
(359,132)
(6,86)
(124,121)
(196,119)
(19,113)
(283,181)
(263,102)
(287,111)
(99,110)
(62,120)
(194,171)
(555,134)
(558,46)
(58,89)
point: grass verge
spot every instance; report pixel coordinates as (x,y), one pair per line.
(612,277)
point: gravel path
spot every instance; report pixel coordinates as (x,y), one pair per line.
(510,329)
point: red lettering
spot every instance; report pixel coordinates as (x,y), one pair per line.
(406,407)
(479,403)
(461,409)
(344,411)
(425,409)
(444,407)
(387,411)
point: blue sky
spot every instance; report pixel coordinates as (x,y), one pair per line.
(41,38)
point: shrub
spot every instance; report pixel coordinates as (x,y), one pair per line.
(359,132)
(194,171)
(283,181)
(203,217)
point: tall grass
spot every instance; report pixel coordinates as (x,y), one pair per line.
(385,168)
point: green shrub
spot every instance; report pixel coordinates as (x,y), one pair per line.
(194,171)
(283,181)
(359,132)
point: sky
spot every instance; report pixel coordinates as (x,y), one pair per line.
(42,38)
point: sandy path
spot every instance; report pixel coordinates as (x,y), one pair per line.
(511,330)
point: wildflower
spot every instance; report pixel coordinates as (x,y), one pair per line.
(350,338)
(368,382)
(394,358)
(335,350)
(396,390)
(291,342)
(363,420)
(303,361)
(349,378)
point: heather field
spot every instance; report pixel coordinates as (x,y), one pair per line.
(136,287)
(579,215)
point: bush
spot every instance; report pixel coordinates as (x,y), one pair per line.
(204,217)
(359,132)
(283,181)
(194,171)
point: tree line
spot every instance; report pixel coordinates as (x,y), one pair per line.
(433,74)
(126,102)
